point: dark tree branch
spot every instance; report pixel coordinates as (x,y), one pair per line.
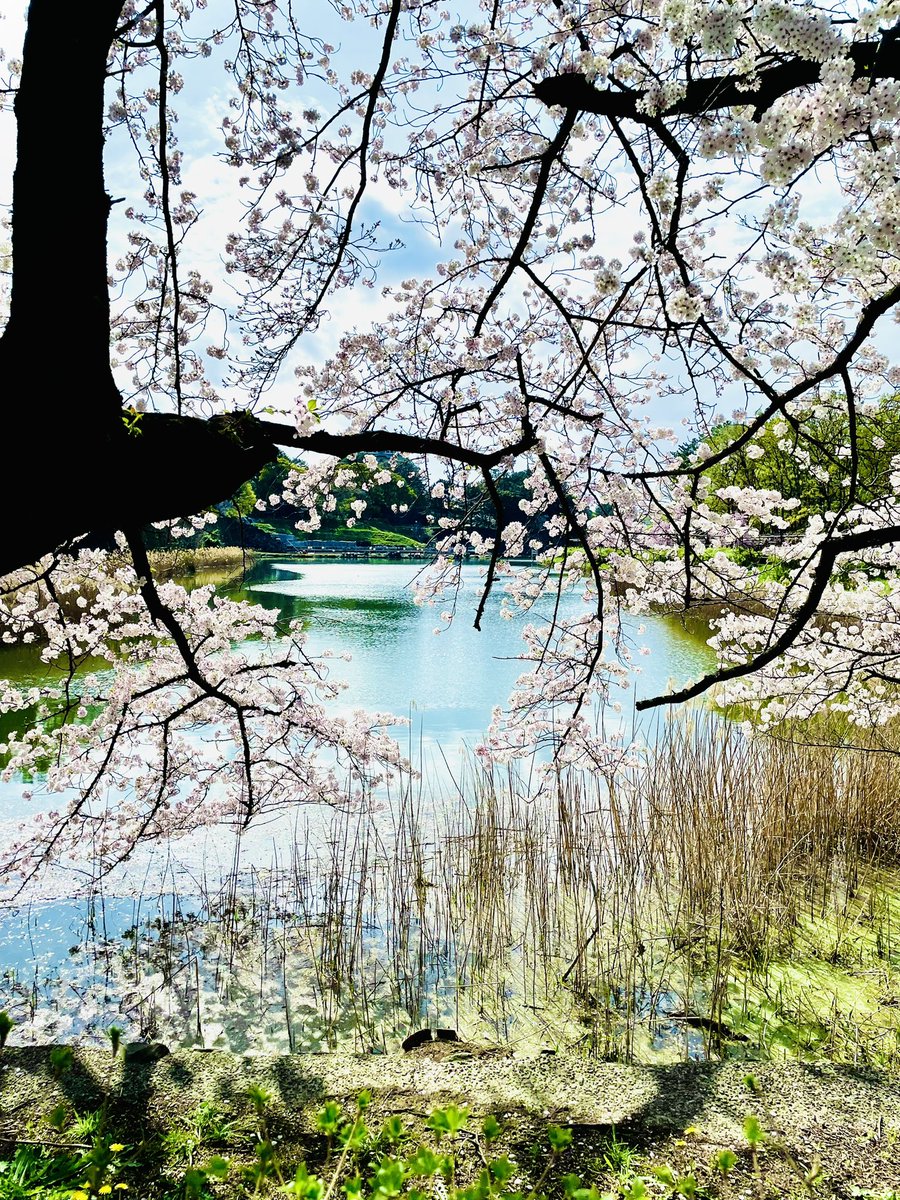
(851,543)
(373,441)
(169,467)
(173,466)
(875,59)
(164,616)
(499,526)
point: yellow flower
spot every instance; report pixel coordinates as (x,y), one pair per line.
(79,1196)
(116,1147)
(121,1187)
(106,1190)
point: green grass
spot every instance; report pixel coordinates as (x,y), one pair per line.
(363,1155)
(373,534)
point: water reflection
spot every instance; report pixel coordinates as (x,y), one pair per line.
(407,659)
(187,936)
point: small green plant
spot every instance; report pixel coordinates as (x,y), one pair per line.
(267,1165)
(559,1138)
(491,1128)
(618,1156)
(131,419)
(678,1185)
(7,1024)
(724,1161)
(686,1185)
(58,1117)
(330,1119)
(195,1182)
(209,1124)
(753,1131)
(393,1131)
(87,1125)
(311,1187)
(637,1190)
(448,1121)
(259,1098)
(114,1033)
(99,1168)
(754,1137)
(62,1059)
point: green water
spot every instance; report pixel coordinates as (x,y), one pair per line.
(448,683)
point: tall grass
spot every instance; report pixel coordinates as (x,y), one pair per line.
(725,895)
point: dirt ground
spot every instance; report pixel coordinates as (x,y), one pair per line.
(834,1123)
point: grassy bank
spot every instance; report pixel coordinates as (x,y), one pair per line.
(374,535)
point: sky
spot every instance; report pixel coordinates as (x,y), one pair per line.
(200,109)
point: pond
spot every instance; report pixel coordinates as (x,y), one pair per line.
(313,931)
(448,682)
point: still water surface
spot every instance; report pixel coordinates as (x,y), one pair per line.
(446,682)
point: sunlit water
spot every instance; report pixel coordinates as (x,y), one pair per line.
(446,678)
(72,966)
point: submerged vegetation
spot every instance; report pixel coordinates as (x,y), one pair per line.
(723,897)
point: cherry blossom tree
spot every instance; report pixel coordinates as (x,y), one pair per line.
(635,223)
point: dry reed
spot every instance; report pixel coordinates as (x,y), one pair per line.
(725,894)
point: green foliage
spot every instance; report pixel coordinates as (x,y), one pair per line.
(243,502)
(114,1033)
(131,419)
(88,1125)
(724,1161)
(372,535)
(491,1128)
(58,1116)
(618,1156)
(637,1190)
(330,1119)
(753,1131)
(258,1097)
(810,462)
(311,1187)
(7,1024)
(209,1124)
(195,1183)
(449,1120)
(558,1138)
(37,1171)
(205,1126)
(385,1162)
(393,1130)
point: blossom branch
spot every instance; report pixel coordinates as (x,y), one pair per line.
(830,551)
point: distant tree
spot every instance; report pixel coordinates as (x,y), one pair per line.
(810,462)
